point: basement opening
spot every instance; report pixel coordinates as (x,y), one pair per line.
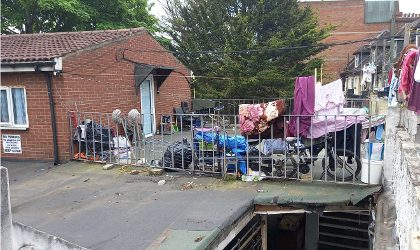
(298,230)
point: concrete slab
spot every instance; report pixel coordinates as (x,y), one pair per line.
(312,193)
(115,210)
(185,239)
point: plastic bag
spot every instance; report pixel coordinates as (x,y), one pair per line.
(97,131)
(121,142)
(178,155)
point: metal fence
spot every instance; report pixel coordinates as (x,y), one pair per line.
(208,143)
(230,106)
(96,137)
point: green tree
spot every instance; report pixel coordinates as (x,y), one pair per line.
(33,16)
(231,45)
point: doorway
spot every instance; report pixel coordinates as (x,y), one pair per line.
(148,106)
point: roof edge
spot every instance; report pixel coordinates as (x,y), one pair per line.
(104,43)
(77,32)
(29,66)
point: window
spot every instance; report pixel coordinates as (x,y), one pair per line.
(373,53)
(13,108)
(379,11)
(356,61)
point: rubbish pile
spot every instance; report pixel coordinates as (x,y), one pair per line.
(178,155)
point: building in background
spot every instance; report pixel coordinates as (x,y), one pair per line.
(44,76)
(353,20)
(368,70)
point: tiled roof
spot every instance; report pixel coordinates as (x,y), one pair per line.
(408,15)
(46,46)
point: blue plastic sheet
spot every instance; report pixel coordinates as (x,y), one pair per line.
(235,145)
(379,132)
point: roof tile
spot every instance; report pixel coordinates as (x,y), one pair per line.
(46,46)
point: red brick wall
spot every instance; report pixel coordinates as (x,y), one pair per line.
(95,80)
(348,17)
(37,139)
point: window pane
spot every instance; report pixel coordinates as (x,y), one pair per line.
(4,106)
(379,11)
(19,106)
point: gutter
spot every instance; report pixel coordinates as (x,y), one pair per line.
(28,63)
(53,120)
(49,67)
(33,66)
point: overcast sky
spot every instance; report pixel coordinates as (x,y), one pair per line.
(410,6)
(406,6)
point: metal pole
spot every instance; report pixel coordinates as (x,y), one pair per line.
(192,143)
(93,137)
(109,138)
(102,145)
(71,134)
(79,137)
(236,146)
(264,231)
(345,147)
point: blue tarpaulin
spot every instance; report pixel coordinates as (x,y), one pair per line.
(235,145)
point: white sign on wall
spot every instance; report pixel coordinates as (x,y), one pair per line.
(11,144)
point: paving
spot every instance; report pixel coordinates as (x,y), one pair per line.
(111,209)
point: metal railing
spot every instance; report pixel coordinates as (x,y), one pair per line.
(230,106)
(333,151)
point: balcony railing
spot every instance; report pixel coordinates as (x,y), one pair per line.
(333,151)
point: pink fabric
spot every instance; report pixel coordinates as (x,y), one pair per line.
(304,102)
(407,73)
(329,96)
(322,125)
(414,99)
(256,118)
(248,115)
(390,74)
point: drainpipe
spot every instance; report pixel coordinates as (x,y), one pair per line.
(53,121)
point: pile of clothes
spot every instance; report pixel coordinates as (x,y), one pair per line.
(319,109)
(255,119)
(404,80)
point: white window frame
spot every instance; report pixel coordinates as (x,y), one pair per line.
(11,124)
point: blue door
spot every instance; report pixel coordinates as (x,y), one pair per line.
(147,107)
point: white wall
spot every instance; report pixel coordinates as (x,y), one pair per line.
(6,237)
(16,235)
(402,175)
(25,235)
(406,191)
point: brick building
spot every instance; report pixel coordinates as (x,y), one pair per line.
(353,20)
(43,76)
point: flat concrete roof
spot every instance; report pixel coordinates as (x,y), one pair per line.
(111,209)
(108,209)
